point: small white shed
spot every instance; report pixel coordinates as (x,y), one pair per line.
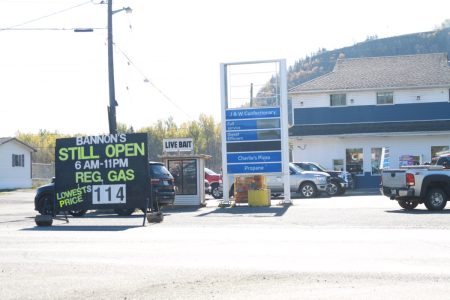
(15,164)
(188,171)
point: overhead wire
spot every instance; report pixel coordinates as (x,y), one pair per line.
(13,27)
(130,62)
(50,28)
(147,80)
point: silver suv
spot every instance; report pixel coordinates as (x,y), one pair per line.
(306,183)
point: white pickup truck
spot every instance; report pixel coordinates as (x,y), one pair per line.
(415,185)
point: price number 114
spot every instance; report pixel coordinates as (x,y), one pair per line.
(109,194)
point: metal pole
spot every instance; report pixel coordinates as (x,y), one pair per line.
(112,93)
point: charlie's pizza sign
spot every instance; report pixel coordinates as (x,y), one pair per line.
(106,171)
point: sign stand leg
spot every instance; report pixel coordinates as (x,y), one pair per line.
(145,211)
(155,215)
(65,217)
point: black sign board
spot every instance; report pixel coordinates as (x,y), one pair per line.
(106,171)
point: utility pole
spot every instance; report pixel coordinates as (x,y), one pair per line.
(112,93)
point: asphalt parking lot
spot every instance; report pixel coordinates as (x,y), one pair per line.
(360,246)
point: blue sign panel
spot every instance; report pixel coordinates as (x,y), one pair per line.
(250,132)
(252,124)
(254,157)
(242,136)
(252,113)
(254,168)
(253,146)
(235,136)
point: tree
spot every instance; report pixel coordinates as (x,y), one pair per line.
(44,142)
(445,24)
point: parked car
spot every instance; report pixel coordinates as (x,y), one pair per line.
(307,184)
(340,180)
(207,188)
(413,185)
(43,200)
(214,179)
(162,185)
(442,160)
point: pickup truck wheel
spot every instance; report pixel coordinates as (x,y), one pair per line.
(436,199)
(308,190)
(407,203)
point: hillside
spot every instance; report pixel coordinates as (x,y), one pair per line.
(323,61)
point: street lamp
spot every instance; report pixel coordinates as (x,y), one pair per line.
(112,94)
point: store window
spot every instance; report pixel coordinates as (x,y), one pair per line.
(375,160)
(437,150)
(338,100)
(354,160)
(184,173)
(18,160)
(338,164)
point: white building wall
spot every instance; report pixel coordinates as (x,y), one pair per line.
(14,177)
(324,149)
(361,98)
(370,97)
(310,100)
(426,96)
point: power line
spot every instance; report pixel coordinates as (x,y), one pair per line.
(45,16)
(147,80)
(53,29)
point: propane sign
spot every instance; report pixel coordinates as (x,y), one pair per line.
(107,171)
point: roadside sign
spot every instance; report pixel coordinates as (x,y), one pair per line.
(255,136)
(176,145)
(107,171)
(254,140)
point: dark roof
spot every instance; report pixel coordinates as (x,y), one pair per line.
(406,71)
(368,128)
(4,140)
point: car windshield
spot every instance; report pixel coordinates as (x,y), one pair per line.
(320,167)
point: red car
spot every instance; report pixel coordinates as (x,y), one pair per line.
(214,180)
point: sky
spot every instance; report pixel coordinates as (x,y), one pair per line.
(167,53)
